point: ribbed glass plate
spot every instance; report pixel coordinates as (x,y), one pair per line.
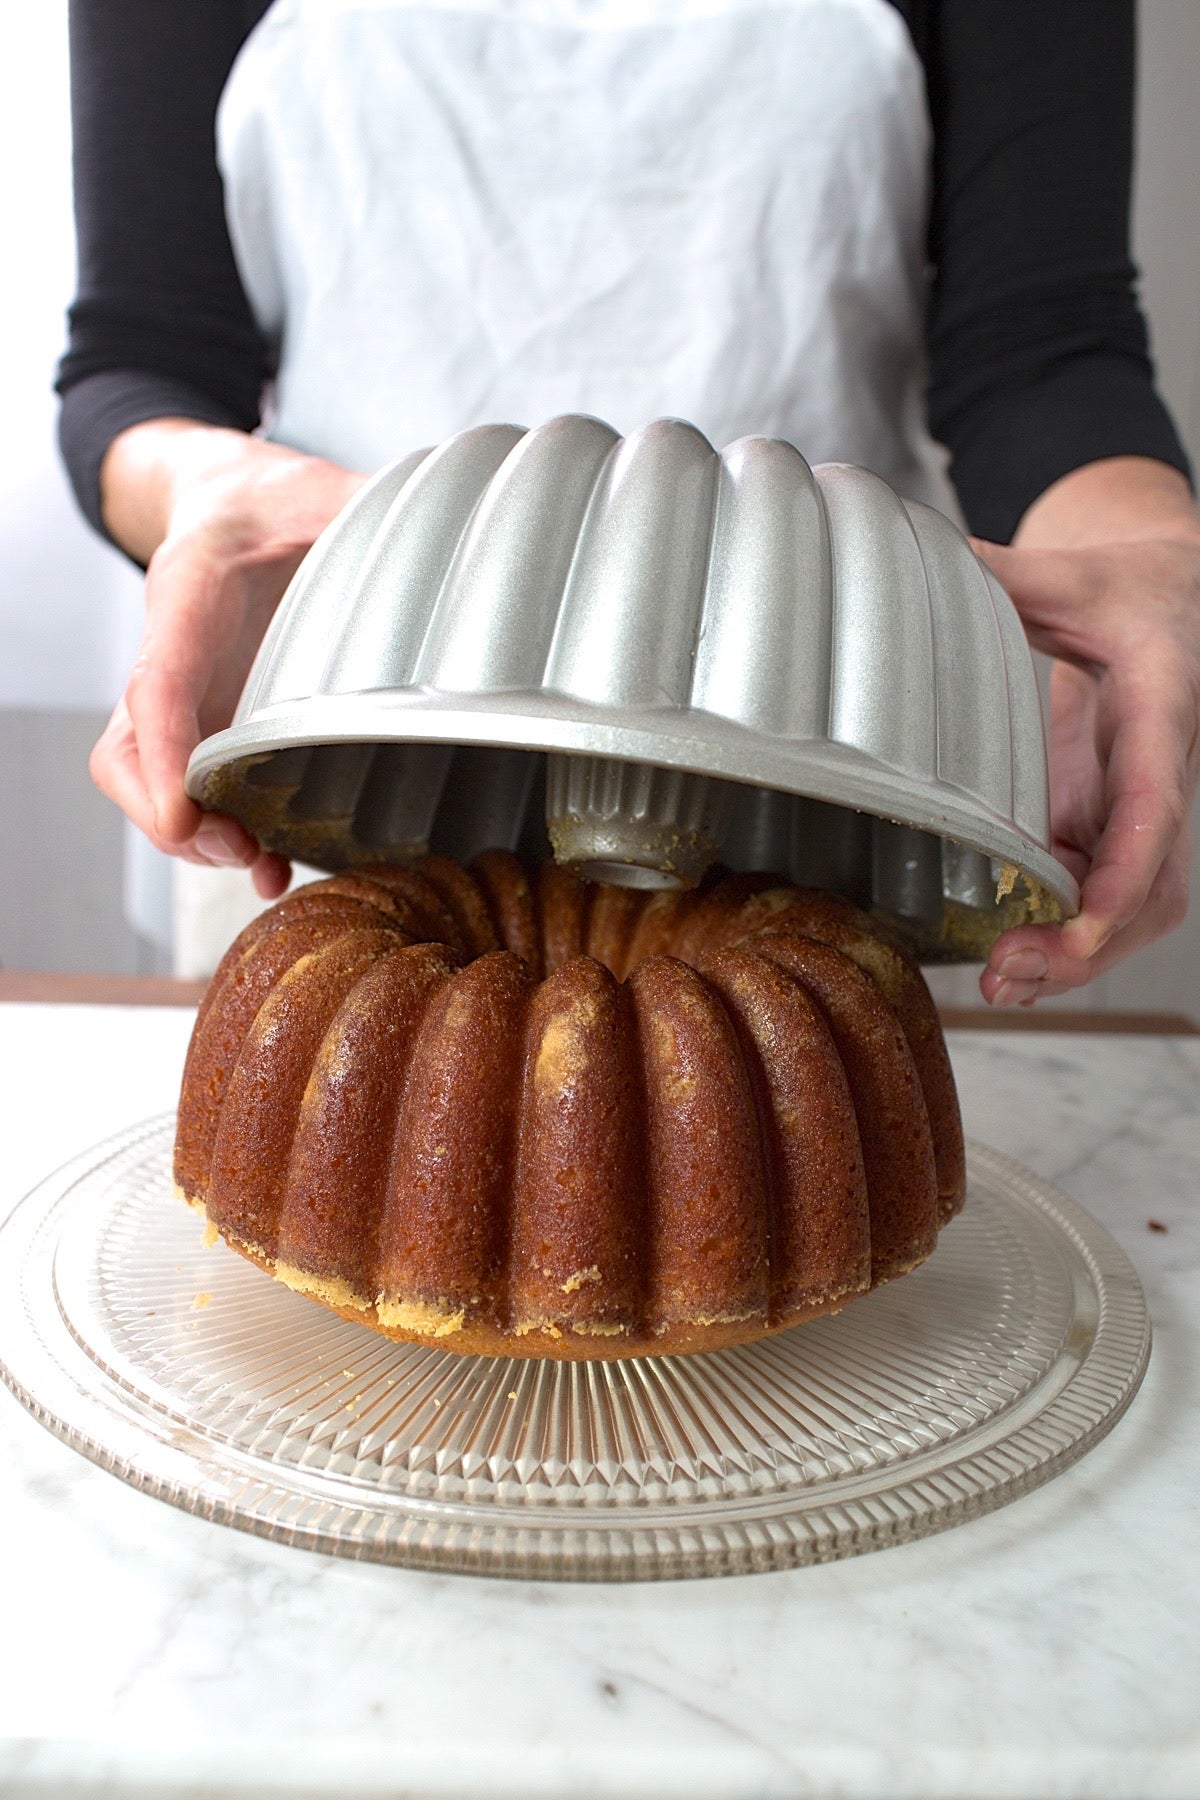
(195,1377)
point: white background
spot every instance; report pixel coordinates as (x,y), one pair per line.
(69,606)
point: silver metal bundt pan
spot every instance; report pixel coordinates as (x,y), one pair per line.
(726,656)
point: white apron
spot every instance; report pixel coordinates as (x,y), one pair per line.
(451,212)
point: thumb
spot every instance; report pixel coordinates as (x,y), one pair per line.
(1057,594)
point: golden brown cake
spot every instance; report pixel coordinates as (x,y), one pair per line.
(518,1113)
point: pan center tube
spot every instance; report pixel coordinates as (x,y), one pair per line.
(635,824)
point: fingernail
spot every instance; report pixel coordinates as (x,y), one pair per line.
(1024,965)
(1014,993)
(213,845)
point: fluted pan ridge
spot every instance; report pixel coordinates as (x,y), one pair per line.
(648,599)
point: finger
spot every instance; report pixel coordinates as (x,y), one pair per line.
(1026,994)
(115,767)
(1075,860)
(1147,793)
(271,875)
(187,624)
(162,711)
(217,841)
(1058,594)
(1078,765)
(1013,956)
(224,842)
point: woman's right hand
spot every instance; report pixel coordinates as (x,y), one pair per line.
(221,521)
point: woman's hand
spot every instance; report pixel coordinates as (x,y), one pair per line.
(1105,573)
(221,521)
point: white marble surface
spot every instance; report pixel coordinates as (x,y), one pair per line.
(1050,1649)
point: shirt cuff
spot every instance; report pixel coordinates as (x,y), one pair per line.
(1027,436)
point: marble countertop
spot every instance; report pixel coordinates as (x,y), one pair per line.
(1049,1649)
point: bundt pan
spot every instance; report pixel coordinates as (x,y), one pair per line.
(654,657)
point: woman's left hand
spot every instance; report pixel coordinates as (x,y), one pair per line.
(1122,620)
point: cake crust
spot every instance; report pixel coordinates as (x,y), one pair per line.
(509,1112)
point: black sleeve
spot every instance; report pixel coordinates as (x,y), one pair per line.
(1038,353)
(160,323)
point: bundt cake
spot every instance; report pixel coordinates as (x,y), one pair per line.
(516,1112)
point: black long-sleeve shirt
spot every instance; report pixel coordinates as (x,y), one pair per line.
(1037,350)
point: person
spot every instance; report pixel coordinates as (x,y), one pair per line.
(825,220)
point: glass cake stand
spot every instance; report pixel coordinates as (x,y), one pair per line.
(192,1375)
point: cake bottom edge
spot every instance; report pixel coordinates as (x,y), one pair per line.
(446,1326)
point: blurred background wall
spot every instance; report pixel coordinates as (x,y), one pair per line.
(70,606)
